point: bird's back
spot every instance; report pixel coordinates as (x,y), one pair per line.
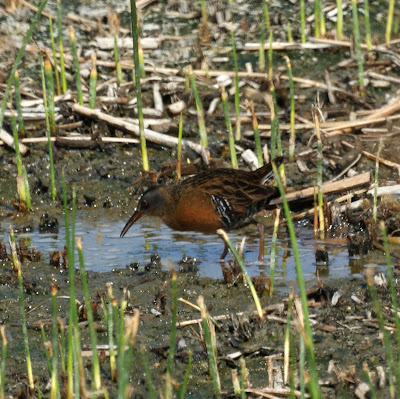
(222,198)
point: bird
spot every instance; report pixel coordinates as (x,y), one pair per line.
(221,198)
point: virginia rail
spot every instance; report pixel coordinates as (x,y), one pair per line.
(208,201)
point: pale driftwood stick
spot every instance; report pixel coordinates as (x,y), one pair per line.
(270,393)
(346,197)
(344,43)
(288,46)
(157,98)
(390,164)
(328,188)
(388,109)
(387,190)
(155,137)
(107,43)
(383,77)
(9,140)
(270,308)
(347,127)
(314,83)
(35,140)
(331,96)
(33,103)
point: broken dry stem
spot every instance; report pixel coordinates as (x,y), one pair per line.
(246,276)
(210,343)
(313,384)
(17,266)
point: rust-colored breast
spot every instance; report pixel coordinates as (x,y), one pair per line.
(194,211)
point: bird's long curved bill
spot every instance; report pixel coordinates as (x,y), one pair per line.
(136,216)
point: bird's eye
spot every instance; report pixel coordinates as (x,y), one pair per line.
(144,204)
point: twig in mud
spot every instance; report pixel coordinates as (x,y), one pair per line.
(150,135)
(357,181)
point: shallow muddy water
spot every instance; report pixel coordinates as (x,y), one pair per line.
(105,251)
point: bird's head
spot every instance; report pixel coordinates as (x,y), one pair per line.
(152,203)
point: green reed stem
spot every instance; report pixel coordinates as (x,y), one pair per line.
(179,150)
(204,17)
(21,128)
(21,186)
(49,105)
(246,276)
(313,384)
(274,121)
(18,158)
(53,49)
(289,32)
(316,115)
(302,368)
(317,18)
(39,392)
(199,108)
(367,25)
(135,38)
(302,21)
(118,68)
(235,383)
(242,378)
(292,138)
(141,61)
(72,359)
(121,343)
(231,140)
(93,338)
(339,20)
(270,57)
(54,387)
(3,360)
(147,372)
(61,345)
(367,376)
(76,64)
(182,391)
(27,190)
(376,184)
(130,336)
(211,350)
(287,346)
(359,56)
(393,296)
(17,266)
(47,347)
(236,83)
(49,145)
(392,369)
(174,311)
(272,261)
(109,316)
(323,27)
(257,139)
(61,48)
(265,24)
(389,21)
(93,82)
(171,350)
(18,59)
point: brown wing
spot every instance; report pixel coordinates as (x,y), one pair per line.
(234,194)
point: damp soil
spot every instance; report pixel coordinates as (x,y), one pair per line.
(344,321)
(346,331)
